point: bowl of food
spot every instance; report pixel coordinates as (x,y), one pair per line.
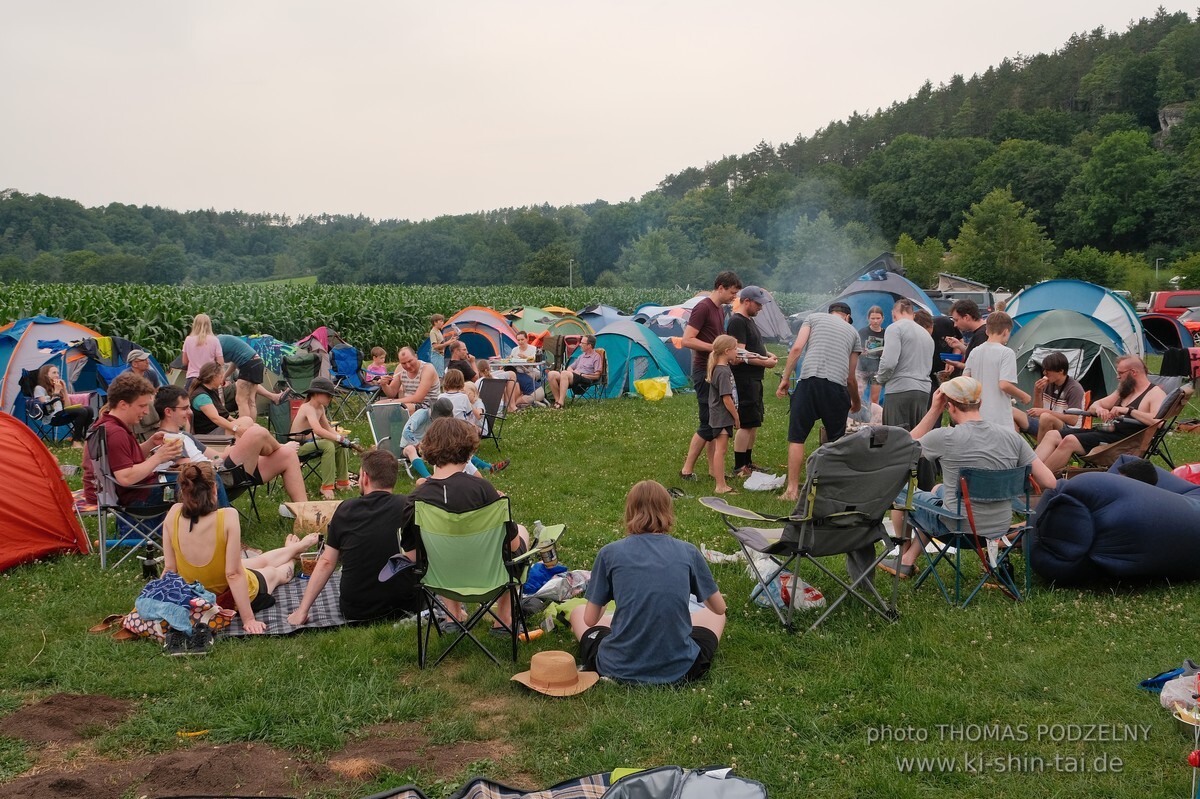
(308,562)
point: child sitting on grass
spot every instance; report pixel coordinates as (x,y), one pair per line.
(653,636)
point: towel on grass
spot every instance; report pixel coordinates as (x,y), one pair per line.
(325,611)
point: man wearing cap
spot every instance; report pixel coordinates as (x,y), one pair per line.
(748,369)
(827,389)
(971,443)
(139,363)
(706,322)
(363,536)
(311,417)
(904,368)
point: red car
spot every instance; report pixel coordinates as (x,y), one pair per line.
(1191,320)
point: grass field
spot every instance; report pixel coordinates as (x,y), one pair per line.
(823,714)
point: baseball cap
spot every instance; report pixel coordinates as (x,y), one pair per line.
(841,307)
(753,294)
(965,390)
(136,355)
(441,408)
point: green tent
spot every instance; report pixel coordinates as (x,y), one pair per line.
(1091,352)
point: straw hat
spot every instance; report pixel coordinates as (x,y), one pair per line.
(553,673)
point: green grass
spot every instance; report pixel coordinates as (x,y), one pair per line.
(793,711)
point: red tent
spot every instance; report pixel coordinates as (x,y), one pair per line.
(37,513)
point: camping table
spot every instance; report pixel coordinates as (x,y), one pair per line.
(510,364)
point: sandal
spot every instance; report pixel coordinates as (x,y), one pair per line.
(108,624)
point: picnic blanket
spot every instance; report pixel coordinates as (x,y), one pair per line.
(324,613)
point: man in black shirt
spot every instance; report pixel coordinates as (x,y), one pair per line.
(752,362)
(364,533)
(969,322)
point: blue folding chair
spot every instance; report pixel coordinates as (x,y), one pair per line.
(345,369)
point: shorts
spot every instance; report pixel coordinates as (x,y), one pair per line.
(817,398)
(235,474)
(926,520)
(866,379)
(262,600)
(579,383)
(252,372)
(1032,429)
(719,431)
(528,384)
(1089,439)
(905,408)
(706,639)
(750,402)
(701,385)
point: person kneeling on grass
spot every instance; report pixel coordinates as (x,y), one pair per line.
(448,446)
(203,543)
(653,636)
(414,433)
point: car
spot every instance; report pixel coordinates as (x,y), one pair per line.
(984,299)
(1191,320)
(1174,303)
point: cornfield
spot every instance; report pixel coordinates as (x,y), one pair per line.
(159,317)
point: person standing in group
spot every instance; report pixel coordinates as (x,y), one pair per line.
(994,365)
(969,322)
(200,347)
(871,337)
(722,407)
(706,322)
(904,368)
(439,340)
(242,359)
(748,370)
(827,389)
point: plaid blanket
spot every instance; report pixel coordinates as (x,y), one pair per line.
(325,611)
(591,786)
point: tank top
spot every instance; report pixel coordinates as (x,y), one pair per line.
(211,575)
(409,384)
(200,422)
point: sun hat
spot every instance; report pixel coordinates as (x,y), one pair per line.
(321,385)
(553,673)
(136,355)
(964,390)
(753,294)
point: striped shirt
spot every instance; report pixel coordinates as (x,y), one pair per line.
(831,340)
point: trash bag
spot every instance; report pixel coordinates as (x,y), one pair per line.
(653,388)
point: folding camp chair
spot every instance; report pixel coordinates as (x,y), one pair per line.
(347,373)
(491,394)
(387,420)
(49,428)
(958,531)
(464,558)
(596,390)
(299,369)
(852,483)
(136,527)
(1148,443)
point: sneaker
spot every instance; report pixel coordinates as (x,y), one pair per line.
(686,476)
(450,626)
(754,467)
(894,566)
(175,643)
(501,466)
(201,642)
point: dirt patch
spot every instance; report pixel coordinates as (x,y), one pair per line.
(402,746)
(65,718)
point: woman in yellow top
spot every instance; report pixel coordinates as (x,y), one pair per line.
(204,544)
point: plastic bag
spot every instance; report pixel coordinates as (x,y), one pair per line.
(653,388)
(1179,693)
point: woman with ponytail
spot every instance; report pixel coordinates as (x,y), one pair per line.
(204,543)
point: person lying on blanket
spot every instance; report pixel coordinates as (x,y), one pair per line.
(203,543)
(362,535)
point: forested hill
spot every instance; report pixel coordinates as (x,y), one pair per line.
(1084,162)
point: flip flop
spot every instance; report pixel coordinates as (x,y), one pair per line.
(108,623)
(676,493)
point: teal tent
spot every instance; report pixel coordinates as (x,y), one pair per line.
(1090,349)
(634,353)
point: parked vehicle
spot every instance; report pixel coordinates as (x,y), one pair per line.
(1174,303)
(984,299)
(1191,320)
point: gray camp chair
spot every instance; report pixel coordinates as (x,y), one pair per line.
(852,484)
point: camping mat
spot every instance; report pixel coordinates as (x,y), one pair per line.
(324,613)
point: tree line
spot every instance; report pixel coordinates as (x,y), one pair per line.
(1083,162)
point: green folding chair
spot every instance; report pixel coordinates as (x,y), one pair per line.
(465,559)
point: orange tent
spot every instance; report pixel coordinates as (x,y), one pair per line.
(37,513)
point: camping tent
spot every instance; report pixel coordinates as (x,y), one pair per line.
(601,316)
(37,513)
(1088,299)
(883,289)
(485,332)
(1163,331)
(27,344)
(633,353)
(771,322)
(322,342)
(536,321)
(1090,349)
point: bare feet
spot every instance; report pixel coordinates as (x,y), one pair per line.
(328,493)
(76,445)
(309,541)
(291,539)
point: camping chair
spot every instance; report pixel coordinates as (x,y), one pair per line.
(491,394)
(596,390)
(346,371)
(134,527)
(1147,443)
(464,559)
(37,411)
(299,370)
(387,420)
(961,532)
(852,483)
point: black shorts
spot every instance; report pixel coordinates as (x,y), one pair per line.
(706,639)
(817,398)
(252,372)
(262,600)
(701,385)
(580,383)
(234,474)
(1090,439)
(750,402)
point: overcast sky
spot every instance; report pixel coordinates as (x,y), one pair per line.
(417,109)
